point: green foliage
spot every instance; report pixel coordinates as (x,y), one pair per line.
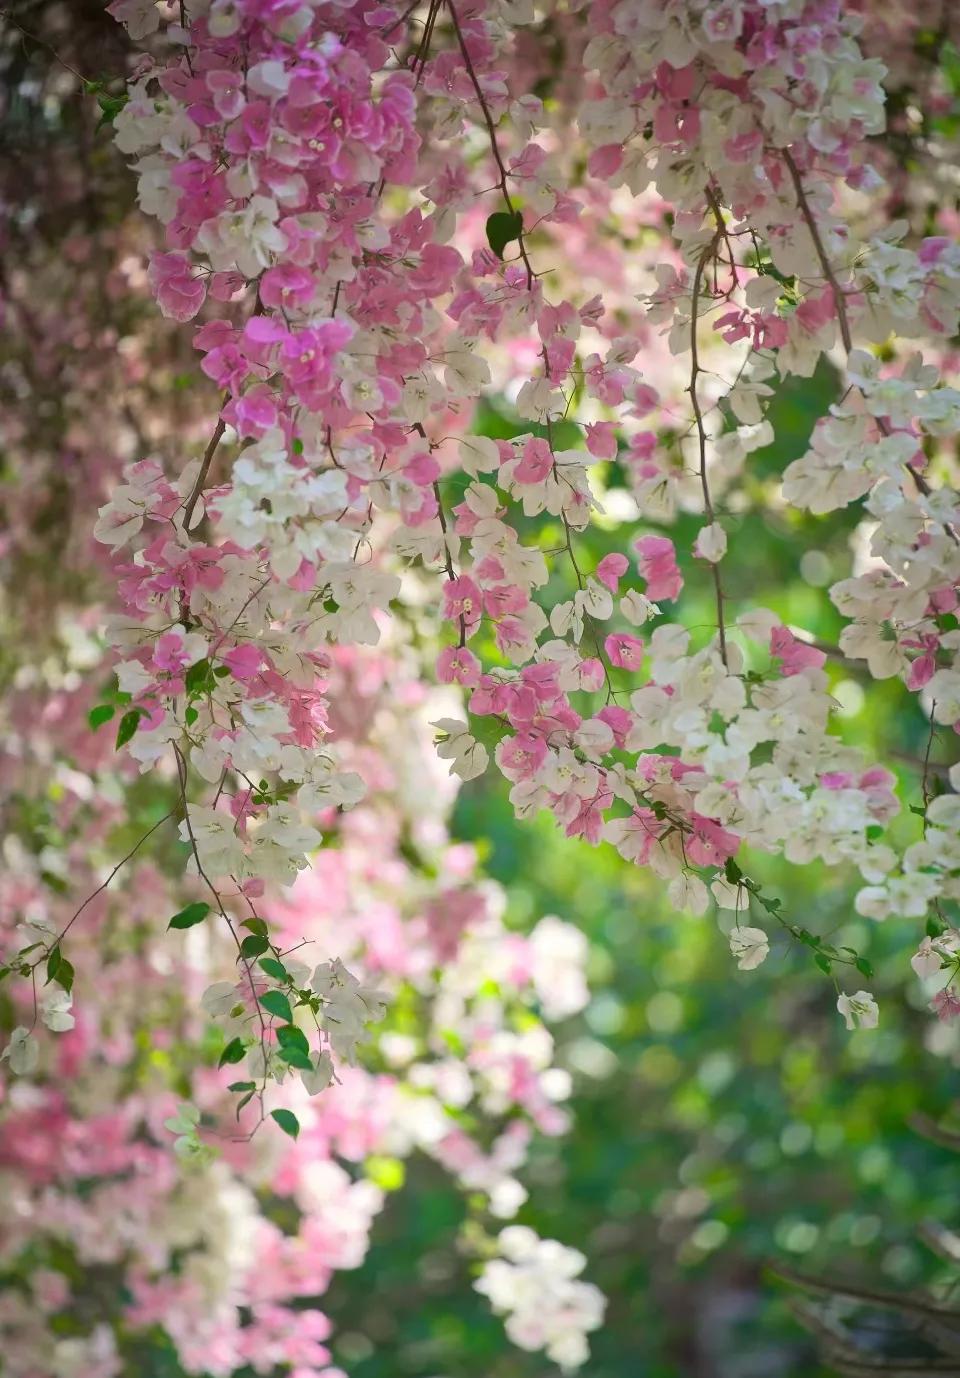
(294,1048)
(287,1121)
(277,1004)
(128,726)
(503,227)
(59,969)
(235,1051)
(193,914)
(110,105)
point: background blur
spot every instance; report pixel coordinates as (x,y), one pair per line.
(725,1123)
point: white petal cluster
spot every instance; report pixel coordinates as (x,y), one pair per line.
(536,1285)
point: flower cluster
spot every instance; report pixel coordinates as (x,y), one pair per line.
(287,160)
(377,228)
(466,1076)
(536,1283)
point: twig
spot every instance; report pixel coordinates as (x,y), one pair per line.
(205,463)
(702,262)
(182,773)
(492,130)
(840,303)
(831,1287)
(5,14)
(100,888)
(826,266)
(447,560)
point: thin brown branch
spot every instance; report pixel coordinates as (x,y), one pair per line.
(695,370)
(492,131)
(100,888)
(840,303)
(826,267)
(447,560)
(832,1287)
(42,43)
(182,774)
(205,464)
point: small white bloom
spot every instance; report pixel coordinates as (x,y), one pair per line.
(348,1007)
(750,946)
(468,757)
(687,891)
(479,454)
(711,543)
(926,961)
(859,1011)
(55,1009)
(34,931)
(22,1052)
(637,608)
(321,1075)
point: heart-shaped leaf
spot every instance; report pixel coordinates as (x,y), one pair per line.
(502,228)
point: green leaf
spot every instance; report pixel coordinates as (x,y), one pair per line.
(196,678)
(59,970)
(101,714)
(246,1101)
(65,974)
(110,107)
(256,925)
(823,962)
(253,946)
(275,969)
(295,1057)
(502,228)
(193,914)
(732,871)
(935,926)
(863,966)
(804,936)
(289,1036)
(276,1003)
(287,1121)
(242,1086)
(128,726)
(235,1051)
(53,964)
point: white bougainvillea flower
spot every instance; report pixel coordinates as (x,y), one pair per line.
(750,946)
(860,1011)
(711,543)
(21,1052)
(55,1009)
